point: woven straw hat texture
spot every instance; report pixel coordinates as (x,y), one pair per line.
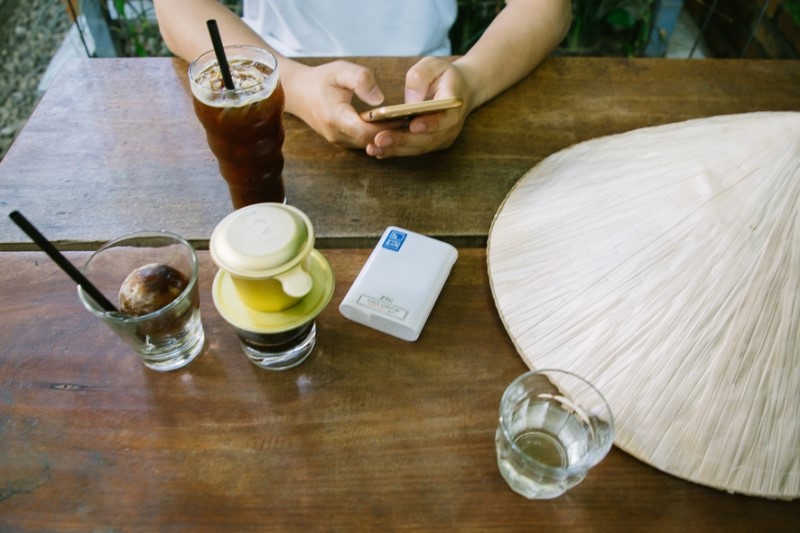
(663,266)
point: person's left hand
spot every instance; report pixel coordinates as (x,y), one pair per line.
(430,78)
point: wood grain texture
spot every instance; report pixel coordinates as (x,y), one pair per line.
(370,434)
(114,147)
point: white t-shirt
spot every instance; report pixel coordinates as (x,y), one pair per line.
(353,27)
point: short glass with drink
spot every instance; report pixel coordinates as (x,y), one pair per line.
(272,283)
(154,275)
(244,125)
(554,426)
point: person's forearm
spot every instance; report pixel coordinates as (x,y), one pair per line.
(183,26)
(519,38)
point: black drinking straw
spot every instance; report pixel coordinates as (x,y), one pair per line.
(219,50)
(61,261)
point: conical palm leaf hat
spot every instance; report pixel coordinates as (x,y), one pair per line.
(663,265)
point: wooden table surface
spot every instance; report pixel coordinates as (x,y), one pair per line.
(114,146)
(371,433)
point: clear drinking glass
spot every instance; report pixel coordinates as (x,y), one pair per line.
(279,351)
(272,283)
(244,125)
(553,427)
(168,338)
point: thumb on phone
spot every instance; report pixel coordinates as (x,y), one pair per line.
(365,86)
(421,77)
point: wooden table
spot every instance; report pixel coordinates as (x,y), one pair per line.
(372,433)
(114,147)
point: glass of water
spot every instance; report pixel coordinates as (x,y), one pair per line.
(554,426)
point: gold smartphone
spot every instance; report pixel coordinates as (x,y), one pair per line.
(405,111)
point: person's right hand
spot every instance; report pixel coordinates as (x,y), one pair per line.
(430,78)
(322,96)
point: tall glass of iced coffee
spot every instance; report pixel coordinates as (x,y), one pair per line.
(243,125)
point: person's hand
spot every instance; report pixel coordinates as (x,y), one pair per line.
(322,96)
(430,78)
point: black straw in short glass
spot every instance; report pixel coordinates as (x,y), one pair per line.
(48,248)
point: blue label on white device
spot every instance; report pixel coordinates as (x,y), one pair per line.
(394,241)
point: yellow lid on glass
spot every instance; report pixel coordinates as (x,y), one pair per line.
(235,312)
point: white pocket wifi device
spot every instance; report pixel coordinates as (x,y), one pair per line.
(398,285)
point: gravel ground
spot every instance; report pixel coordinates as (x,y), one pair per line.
(30,33)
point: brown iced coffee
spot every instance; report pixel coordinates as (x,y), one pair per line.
(244,125)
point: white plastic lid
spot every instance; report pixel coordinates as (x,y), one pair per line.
(261,240)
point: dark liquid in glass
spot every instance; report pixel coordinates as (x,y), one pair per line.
(247,140)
